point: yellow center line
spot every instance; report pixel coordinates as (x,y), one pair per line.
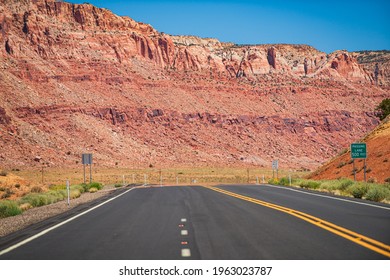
(362,240)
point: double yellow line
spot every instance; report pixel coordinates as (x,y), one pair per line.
(362,240)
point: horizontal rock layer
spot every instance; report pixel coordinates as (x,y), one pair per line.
(76,78)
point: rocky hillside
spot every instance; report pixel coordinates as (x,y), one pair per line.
(76,78)
(377,162)
(377,63)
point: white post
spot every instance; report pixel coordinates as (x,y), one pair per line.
(68,190)
(257,180)
(289,179)
(263,179)
(133,178)
(144,179)
(177,180)
(160,180)
(123,180)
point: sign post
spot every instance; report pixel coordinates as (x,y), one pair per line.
(275,166)
(359,150)
(68,191)
(87,160)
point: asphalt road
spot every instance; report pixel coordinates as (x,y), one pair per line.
(198,223)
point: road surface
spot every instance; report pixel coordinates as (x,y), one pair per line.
(229,222)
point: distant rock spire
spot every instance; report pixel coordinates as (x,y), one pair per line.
(376,73)
(305,66)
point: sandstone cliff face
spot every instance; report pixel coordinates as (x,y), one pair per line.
(376,64)
(76,78)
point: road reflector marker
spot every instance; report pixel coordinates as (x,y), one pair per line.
(184,243)
(185,253)
(181,225)
(183,220)
(184,232)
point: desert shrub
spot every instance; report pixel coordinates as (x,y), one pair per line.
(3,173)
(344,183)
(93,190)
(17,186)
(310,184)
(9,208)
(118,185)
(341,164)
(387,180)
(35,199)
(75,193)
(330,185)
(284,181)
(36,189)
(384,108)
(273,181)
(57,193)
(377,193)
(57,187)
(81,188)
(25,206)
(358,189)
(7,193)
(97,185)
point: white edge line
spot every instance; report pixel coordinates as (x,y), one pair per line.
(13,247)
(326,196)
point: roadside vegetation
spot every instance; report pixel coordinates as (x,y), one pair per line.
(384,108)
(345,187)
(39,198)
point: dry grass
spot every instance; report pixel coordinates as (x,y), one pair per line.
(20,183)
(108,176)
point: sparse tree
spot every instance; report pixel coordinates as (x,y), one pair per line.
(384,108)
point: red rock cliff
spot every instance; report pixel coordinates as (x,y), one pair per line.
(77,78)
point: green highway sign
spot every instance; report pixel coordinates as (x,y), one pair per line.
(358,150)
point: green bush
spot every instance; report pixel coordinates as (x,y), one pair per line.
(41,199)
(96,185)
(330,185)
(81,188)
(344,184)
(377,193)
(384,108)
(118,185)
(284,181)
(359,189)
(75,193)
(9,208)
(309,184)
(273,181)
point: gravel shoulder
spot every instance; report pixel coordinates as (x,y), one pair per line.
(12,224)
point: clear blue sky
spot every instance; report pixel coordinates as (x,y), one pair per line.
(326,25)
